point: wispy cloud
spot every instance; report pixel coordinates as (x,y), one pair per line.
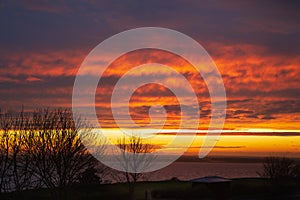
(256,49)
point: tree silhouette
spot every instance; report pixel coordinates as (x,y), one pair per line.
(5,161)
(134,158)
(43,149)
(57,153)
(278,168)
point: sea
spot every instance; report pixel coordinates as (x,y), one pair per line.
(192,170)
(185,171)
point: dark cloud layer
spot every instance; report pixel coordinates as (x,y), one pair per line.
(71,24)
(256,45)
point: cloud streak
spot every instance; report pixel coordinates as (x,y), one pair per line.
(256,49)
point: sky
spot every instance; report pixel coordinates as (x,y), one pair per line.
(255,45)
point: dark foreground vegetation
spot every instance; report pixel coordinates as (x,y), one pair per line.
(41,149)
(42,157)
(246,188)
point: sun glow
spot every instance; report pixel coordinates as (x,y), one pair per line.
(253,142)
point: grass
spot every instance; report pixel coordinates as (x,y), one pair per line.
(240,189)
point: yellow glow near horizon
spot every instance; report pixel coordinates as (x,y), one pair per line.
(267,130)
(230,145)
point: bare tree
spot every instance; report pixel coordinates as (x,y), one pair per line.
(44,149)
(21,177)
(278,168)
(5,161)
(135,157)
(42,146)
(57,153)
(14,160)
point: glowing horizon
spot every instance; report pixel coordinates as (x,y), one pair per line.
(228,145)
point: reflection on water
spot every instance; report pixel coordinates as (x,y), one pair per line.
(190,170)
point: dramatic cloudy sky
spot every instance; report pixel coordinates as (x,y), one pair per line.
(255,44)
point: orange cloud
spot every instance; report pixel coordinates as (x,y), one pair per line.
(246,74)
(47,63)
(268,83)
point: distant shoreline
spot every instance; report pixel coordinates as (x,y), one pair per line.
(225,159)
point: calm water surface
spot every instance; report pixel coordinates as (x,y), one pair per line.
(190,170)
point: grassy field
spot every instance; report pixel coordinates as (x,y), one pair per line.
(246,188)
